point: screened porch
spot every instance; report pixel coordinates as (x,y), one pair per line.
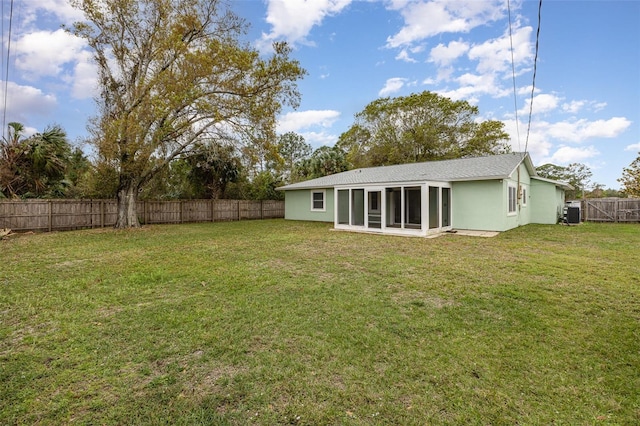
(417,209)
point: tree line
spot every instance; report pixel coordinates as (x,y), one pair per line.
(47,165)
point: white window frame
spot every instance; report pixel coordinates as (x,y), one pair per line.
(512,189)
(523,192)
(324,200)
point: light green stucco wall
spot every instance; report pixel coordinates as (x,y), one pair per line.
(297,206)
(483,205)
(478,205)
(547,202)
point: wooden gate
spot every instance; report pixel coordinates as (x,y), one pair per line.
(611,210)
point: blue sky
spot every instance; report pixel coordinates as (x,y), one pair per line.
(586,105)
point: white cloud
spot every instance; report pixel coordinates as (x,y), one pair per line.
(293,20)
(445,55)
(85,79)
(568,154)
(633,147)
(542,103)
(495,55)
(493,65)
(44,53)
(62,9)
(428,18)
(392,85)
(23,101)
(573,106)
(404,56)
(472,86)
(297,120)
(580,130)
(318,139)
(407,52)
(538,146)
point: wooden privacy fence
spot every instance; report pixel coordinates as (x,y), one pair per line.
(611,209)
(57,215)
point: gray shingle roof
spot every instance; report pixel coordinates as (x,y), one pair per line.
(463,169)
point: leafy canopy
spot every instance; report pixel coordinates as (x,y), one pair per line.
(420,127)
(323,162)
(631,178)
(575,174)
(172,73)
(35,166)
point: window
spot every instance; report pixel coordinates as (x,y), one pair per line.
(523,192)
(317,201)
(513,197)
(374,201)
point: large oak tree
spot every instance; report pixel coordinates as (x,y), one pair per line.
(172,73)
(420,127)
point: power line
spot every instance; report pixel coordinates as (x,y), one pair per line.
(535,68)
(6,76)
(513,76)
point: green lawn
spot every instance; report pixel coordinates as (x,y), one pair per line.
(277,322)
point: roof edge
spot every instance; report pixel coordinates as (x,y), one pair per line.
(563,185)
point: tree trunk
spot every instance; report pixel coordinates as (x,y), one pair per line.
(127,205)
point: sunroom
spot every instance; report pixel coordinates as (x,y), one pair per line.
(413,208)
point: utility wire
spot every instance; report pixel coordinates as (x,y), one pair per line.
(6,76)
(535,67)
(513,76)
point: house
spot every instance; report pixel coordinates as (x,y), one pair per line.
(493,193)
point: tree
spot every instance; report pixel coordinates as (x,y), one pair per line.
(211,168)
(292,149)
(263,187)
(11,160)
(323,162)
(575,174)
(77,175)
(34,166)
(598,190)
(172,73)
(420,127)
(631,178)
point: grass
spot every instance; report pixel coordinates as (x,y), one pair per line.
(275,322)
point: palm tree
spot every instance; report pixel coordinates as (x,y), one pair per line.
(49,154)
(10,158)
(34,166)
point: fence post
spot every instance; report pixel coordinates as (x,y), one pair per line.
(212,210)
(102,213)
(50,214)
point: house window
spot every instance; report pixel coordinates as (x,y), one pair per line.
(513,197)
(523,192)
(317,201)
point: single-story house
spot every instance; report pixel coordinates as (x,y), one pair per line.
(492,193)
